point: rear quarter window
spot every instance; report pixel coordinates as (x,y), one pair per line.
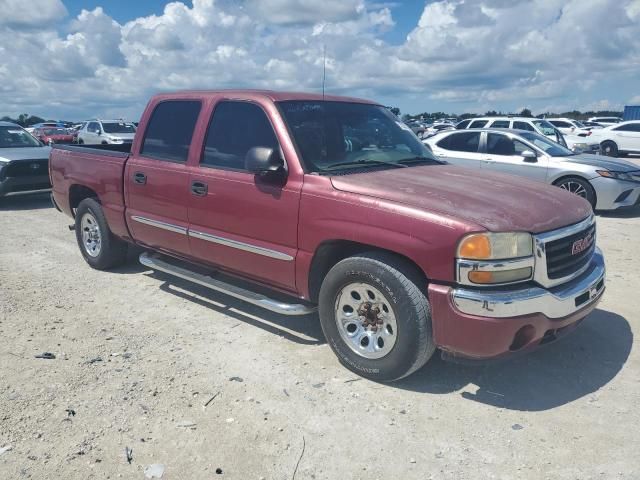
(170,130)
(461,142)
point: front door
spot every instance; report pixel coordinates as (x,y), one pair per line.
(157,178)
(237,220)
(504,154)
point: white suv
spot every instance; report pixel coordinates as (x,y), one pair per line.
(106,132)
(543,127)
(619,138)
(605,121)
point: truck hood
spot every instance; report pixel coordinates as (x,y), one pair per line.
(497,202)
(601,161)
(24,153)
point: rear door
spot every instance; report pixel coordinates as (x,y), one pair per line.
(238,220)
(504,154)
(459,148)
(157,179)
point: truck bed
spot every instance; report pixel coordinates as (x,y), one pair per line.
(99,168)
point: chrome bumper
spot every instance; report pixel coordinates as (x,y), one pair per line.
(556,302)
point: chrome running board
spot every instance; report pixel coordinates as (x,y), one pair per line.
(157,263)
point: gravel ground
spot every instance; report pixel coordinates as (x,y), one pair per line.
(139,355)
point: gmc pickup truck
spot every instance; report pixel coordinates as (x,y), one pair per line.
(290,200)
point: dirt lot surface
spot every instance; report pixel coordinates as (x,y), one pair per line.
(138,355)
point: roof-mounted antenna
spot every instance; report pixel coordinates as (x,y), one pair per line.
(324,67)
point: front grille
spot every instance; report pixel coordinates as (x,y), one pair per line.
(564,259)
(27,168)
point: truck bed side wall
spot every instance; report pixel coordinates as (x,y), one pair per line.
(102,174)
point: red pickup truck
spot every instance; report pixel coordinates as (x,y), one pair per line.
(331,201)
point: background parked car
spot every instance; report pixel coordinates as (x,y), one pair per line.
(619,138)
(605,121)
(51,135)
(592,125)
(24,161)
(537,125)
(435,128)
(570,126)
(106,132)
(606,184)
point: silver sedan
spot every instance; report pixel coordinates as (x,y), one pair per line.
(606,183)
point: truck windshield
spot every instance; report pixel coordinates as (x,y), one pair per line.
(16,137)
(335,136)
(118,127)
(547,146)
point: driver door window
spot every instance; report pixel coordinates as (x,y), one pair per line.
(236,127)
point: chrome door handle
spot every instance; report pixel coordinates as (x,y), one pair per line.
(139,178)
(198,188)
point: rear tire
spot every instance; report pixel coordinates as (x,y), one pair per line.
(100,248)
(580,187)
(80,141)
(375,317)
(609,148)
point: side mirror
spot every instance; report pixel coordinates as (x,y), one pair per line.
(99,132)
(529,156)
(264,161)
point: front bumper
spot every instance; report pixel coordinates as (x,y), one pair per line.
(487,324)
(28,184)
(612,194)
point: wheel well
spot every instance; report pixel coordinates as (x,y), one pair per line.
(77,193)
(331,252)
(565,177)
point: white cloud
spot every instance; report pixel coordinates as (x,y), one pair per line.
(459,55)
(34,14)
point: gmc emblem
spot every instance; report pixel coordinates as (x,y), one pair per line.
(34,166)
(582,244)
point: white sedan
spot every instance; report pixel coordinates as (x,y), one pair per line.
(618,139)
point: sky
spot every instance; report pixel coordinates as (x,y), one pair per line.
(73,59)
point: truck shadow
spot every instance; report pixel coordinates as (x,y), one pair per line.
(575,366)
(304,330)
(36,201)
(631,212)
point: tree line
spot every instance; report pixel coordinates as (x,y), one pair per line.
(575,114)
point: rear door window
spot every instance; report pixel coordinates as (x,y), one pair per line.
(500,124)
(170,130)
(461,142)
(523,126)
(235,128)
(478,123)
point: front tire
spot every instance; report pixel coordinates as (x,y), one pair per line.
(580,187)
(609,149)
(375,317)
(100,248)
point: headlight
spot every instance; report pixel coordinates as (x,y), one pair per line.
(495,258)
(580,146)
(616,175)
(495,246)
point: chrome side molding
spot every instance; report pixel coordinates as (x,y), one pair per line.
(163,225)
(247,247)
(157,263)
(227,242)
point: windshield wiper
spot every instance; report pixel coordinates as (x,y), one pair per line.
(414,160)
(364,161)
